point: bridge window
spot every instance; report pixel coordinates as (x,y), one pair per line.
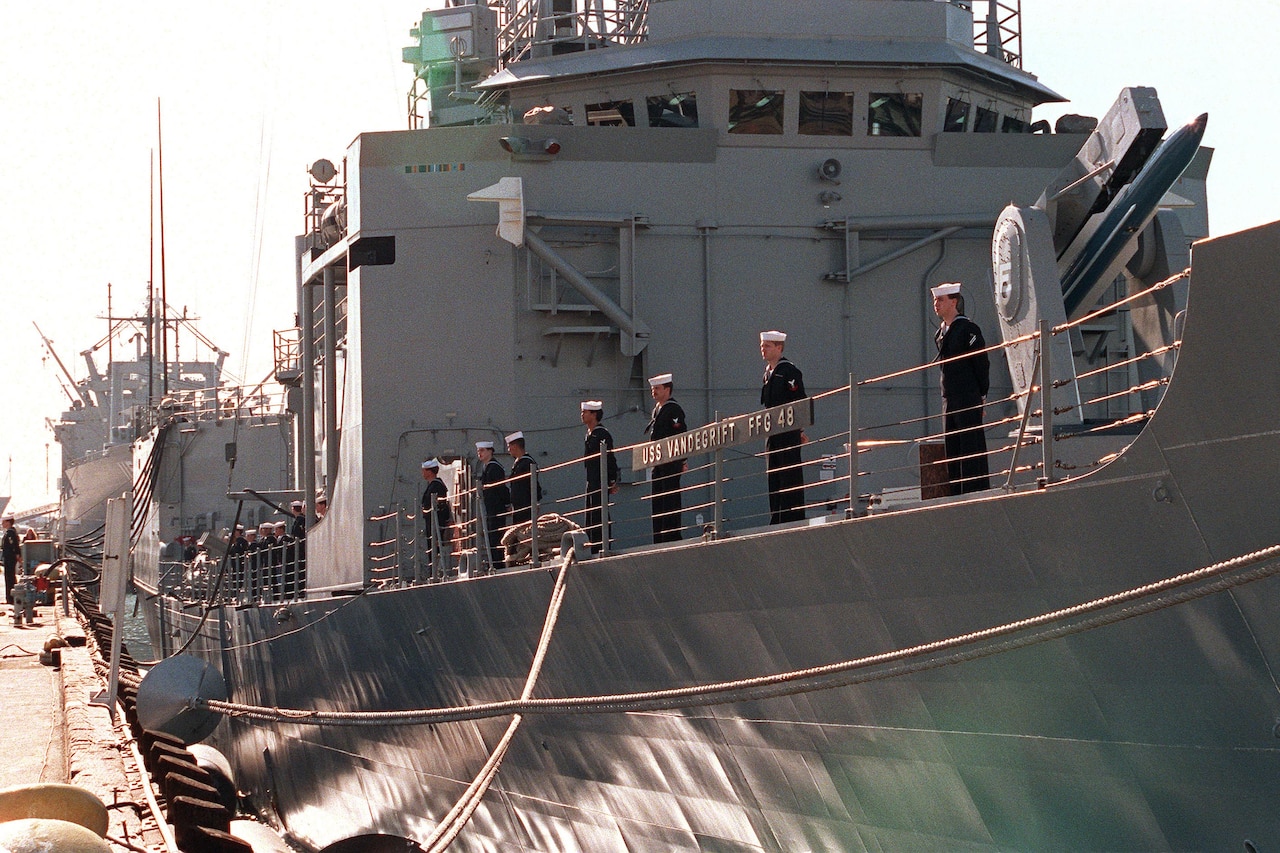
(1013,125)
(611,114)
(826,114)
(755,111)
(673,110)
(895,114)
(957,120)
(985,121)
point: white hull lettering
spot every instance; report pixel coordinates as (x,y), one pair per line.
(725,433)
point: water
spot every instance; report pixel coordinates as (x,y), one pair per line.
(134,630)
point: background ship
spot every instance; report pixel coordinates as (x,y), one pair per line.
(147,394)
(724,172)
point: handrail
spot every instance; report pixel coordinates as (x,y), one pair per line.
(848,469)
(268,574)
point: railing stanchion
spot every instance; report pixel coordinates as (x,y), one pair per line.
(400,566)
(1046,400)
(417,555)
(435,549)
(533,511)
(717,497)
(852,512)
(604,500)
(482,531)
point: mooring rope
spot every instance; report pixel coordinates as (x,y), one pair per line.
(1052,625)
(452,824)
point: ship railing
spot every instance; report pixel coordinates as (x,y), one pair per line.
(321,198)
(318,323)
(406,546)
(1014,426)
(264,575)
(525,26)
(215,404)
(171,575)
(997,28)
(287,354)
(725,491)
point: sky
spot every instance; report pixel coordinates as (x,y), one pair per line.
(251,92)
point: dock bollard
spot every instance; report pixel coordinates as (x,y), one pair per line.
(24,602)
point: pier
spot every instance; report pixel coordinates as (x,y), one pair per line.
(54,732)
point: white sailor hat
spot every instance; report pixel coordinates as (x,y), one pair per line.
(592,406)
(279,525)
(296,505)
(252,531)
(321,499)
(947,288)
(430,464)
(515,436)
(239,527)
(773,335)
(264,527)
(660,379)
(484,445)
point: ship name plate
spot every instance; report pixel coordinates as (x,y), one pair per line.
(728,432)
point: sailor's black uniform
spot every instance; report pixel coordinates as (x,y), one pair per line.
(784,384)
(596,439)
(965,382)
(667,420)
(521,478)
(437,495)
(10,551)
(496,499)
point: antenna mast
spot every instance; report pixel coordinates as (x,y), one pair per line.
(164,295)
(151,282)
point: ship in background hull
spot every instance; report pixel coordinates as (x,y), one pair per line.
(117,405)
(1156,732)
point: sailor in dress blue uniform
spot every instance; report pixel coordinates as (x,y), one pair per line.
(965,382)
(436,496)
(520,480)
(667,420)
(783,383)
(598,440)
(496,497)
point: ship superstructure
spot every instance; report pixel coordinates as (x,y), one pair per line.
(823,197)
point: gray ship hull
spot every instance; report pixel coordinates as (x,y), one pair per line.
(1155,732)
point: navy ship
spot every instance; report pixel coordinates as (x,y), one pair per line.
(146,389)
(592,194)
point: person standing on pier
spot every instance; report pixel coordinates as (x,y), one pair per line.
(10,550)
(964,390)
(496,497)
(783,383)
(667,420)
(521,480)
(598,441)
